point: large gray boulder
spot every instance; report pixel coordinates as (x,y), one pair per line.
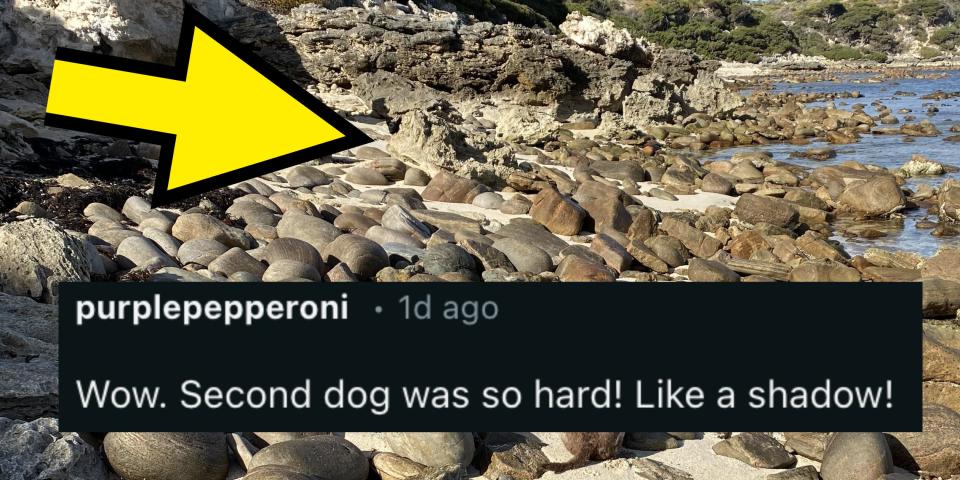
(37,450)
(36,255)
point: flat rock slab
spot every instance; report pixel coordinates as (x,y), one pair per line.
(756,449)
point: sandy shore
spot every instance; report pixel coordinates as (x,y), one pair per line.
(695,457)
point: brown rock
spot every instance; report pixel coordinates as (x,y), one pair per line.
(699,244)
(701,270)
(558,213)
(824,272)
(757,450)
(936,450)
(757,209)
(856,456)
(575,268)
(873,198)
(447,187)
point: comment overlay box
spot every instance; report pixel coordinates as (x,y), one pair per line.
(490,357)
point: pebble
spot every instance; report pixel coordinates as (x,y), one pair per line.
(490,200)
(416,177)
(433,449)
(167,456)
(102,211)
(236,260)
(193,226)
(526,257)
(364,257)
(141,251)
(756,449)
(164,240)
(516,205)
(856,456)
(283,270)
(365,176)
(135,208)
(447,257)
(200,251)
(323,456)
(701,270)
(252,213)
(399,219)
(306,176)
(315,231)
(292,249)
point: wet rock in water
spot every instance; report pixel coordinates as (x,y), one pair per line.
(433,449)
(856,456)
(141,251)
(757,450)
(324,456)
(919,166)
(873,198)
(447,257)
(945,264)
(37,450)
(416,177)
(365,176)
(817,153)
(941,298)
(292,249)
(949,201)
(525,256)
(558,213)
(806,472)
(824,272)
(200,251)
(306,176)
(936,450)
(701,270)
(576,268)
(756,209)
(516,205)
(364,257)
(651,441)
(36,255)
(236,260)
(447,187)
(28,389)
(941,365)
(167,456)
(192,226)
(315,231)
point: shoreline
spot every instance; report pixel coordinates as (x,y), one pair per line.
(787,67)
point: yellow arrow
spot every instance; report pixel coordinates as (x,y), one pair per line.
(221,114)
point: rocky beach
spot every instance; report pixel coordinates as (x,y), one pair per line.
(501,153)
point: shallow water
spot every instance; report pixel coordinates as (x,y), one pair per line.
(889,151)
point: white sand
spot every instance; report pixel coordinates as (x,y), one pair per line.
(695,457)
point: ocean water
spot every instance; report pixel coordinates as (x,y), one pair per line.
(889,151)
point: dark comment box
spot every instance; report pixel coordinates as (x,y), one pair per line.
(491,357)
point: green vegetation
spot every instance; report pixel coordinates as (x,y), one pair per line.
(746,31)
